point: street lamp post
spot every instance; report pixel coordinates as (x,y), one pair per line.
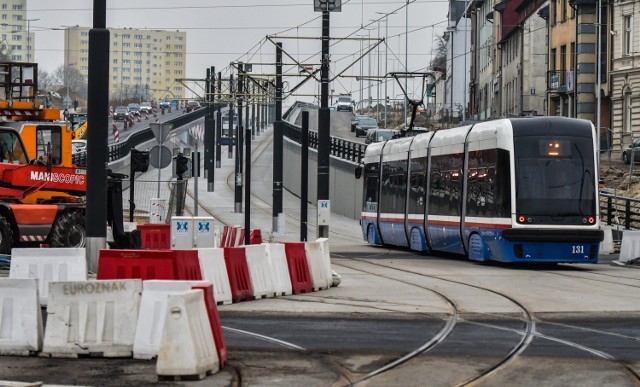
(29,42)
(406,62)
(386,60)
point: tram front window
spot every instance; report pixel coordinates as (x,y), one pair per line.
(555,178)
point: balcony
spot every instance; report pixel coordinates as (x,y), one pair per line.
(560,81)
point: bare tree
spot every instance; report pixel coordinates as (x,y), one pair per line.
(439,61)
(45,80)
(70,77)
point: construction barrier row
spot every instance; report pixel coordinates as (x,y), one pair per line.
(144,300)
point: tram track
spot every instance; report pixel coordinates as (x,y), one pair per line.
(528,334)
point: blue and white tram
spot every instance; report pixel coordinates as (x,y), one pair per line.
(510,190)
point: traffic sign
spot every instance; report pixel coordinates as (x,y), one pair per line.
(161,130)
(160,157)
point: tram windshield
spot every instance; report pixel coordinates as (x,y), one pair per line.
(555,176)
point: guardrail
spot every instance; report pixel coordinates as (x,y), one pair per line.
(341,148)
(122,149)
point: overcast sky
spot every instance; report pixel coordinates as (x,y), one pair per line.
(222,31)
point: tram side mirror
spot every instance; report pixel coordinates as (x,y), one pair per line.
(358,171)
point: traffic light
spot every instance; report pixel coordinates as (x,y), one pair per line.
(182,165)
(139,161)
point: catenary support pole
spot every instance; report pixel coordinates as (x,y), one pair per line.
(304,176)
(219,126)
(97,157)
(213,139)
(247,188)
(239,136)
(277,143)
(324,128)
(231,127)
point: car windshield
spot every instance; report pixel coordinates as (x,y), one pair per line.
(121,109)
(368,122)
(145,104)
(344,99)
(383,135)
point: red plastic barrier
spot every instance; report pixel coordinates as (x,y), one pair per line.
(225,236)
(299,273)
(155,236)
(187,265)
(255,237)
(214,321)
(238,273)
(149,264)
(240,237)
(231,237)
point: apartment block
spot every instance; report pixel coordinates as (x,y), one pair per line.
(16,39)
(144,64)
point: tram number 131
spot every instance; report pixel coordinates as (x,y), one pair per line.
(577,249)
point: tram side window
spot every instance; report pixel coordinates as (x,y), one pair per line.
(416,185)
(455,184)
(488,189)
(400,195)
(371,186)
(387,190)
(438,202)
(502,184)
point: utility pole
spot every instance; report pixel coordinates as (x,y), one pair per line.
(219,126)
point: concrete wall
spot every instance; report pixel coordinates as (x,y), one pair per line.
(345,192)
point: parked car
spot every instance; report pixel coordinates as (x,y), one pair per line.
(121,113)
(355,120)
(145,107)
(165,104)
(378,135)
(632,149)
(193,105)
(415,131)
(365,124)
(133,108)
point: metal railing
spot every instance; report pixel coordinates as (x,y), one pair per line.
(341,148)
(618,210)
(122,149)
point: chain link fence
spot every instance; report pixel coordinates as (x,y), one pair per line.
(145,194)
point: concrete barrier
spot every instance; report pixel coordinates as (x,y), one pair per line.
(20,318)
(187,348)
(278,264)
(47,265)
(214,270)
(606,246)
(260,271)
(630,247)
(319,269)
(92,317)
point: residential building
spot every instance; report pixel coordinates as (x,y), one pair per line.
(625,74)
(144,64)
(483,50)
(17,42)
(454,106)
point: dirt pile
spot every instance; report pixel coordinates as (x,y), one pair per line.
(616,178)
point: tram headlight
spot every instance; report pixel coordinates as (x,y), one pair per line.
(591,220)
(521,219)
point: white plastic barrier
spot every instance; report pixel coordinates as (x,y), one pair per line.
(326,258)
(153,307)
(239,237)
(92,317)
(204,232)
(47,265)
(279,269)
(20,317)
(214,270)
(317,265)
(606,246)
(259,271)
(187,347)
(630,247)
(182,232)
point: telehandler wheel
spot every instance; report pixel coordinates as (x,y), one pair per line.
(6,236)
(69,230)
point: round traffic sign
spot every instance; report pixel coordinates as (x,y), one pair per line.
(160,157)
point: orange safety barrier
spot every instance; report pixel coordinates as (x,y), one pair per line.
(299,273)
(149,264)
(214,321)
(155,236)
(238,273)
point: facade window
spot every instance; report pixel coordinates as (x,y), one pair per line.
(4,16)
(626,112)
(4,6)
(553,62)
(179,46)
(17,7)
(628,34)
(84,33)
(137,36)
(126,36)
(563,58)
(17,17)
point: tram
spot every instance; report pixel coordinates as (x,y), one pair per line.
(508,190)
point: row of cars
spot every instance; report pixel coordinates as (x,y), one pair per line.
(368,127)
(133,109)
